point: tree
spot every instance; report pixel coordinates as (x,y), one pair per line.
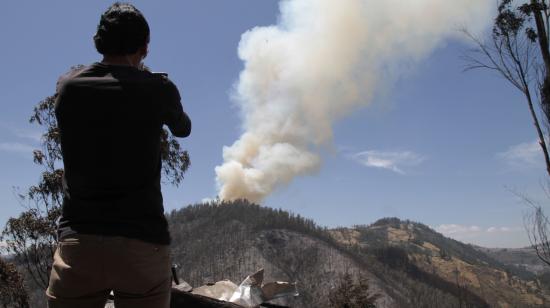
(12,292)
(31,237)
(352,293)
(519,51)
(513,52)
(537,226)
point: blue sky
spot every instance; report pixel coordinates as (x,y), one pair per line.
(438,146)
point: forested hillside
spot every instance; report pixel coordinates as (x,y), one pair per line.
(400,263)
(447,264)
(407,264)
(215,241)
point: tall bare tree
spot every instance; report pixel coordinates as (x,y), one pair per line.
(514,52)
(31,237)
(537,226)
(518,50)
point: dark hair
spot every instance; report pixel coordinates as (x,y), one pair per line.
(122,30)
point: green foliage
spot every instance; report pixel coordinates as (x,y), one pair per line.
(175,160)
(31,237)
(510,19)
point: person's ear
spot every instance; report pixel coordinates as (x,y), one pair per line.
(144,51)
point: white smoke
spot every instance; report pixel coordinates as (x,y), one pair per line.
(323,59)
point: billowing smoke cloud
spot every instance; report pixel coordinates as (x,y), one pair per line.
(323,59)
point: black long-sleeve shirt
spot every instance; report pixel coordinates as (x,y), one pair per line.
(110,119)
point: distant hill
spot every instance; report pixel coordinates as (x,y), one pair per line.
(214,241)
(524,259)
(406,263)
(420,251)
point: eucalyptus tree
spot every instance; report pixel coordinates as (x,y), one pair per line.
(519,51)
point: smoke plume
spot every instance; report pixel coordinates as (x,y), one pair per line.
(322,60)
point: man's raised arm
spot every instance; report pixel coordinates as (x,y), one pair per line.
(174,117)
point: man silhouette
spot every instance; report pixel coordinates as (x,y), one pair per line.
(113,234)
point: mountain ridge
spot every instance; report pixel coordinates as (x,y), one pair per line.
(401,263)
(407,263)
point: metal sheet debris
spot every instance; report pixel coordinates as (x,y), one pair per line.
(250,293)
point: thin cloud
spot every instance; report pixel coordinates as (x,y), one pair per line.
(33,135)
(16,147)
(23,133)
(394,161)
(527,154)
(29,140)
(460,230)
(494,236)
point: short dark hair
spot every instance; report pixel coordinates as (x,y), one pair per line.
(122,30)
